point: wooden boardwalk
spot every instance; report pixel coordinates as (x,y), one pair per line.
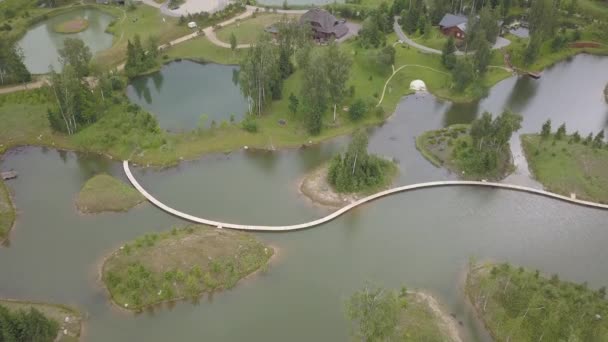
(343,210)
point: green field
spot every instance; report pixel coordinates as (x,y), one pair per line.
(201,49)
(55,312)
(567,168)
(248,30)
(517,304)
(182,263)
(436,40)
(106,193)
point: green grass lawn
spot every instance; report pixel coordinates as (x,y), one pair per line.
(248,30)
(54,312)
(436,40)
(106,193)
(144,20)
(567,168)
(181,263)
(201,49)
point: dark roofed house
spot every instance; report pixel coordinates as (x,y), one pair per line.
(453,25)
(324,25)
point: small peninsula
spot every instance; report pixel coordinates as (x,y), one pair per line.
(569,164)
(32,321)
(181,263)
(349,176)
(72,26)
(7,211)
(517,304)
(476,151)
(379,314)
(106,193)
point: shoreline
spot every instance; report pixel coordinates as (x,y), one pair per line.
(309,187)
(444,320)
(12,204)
(115,306)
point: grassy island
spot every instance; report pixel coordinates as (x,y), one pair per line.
(31,321)
(106,193)
(477,151)
(349,176)
(72,26)
(569,165)
(7,211)
(522,305)
(179,264)
(382,315)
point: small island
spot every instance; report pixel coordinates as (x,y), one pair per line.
(477,151)
(517,304)
(349,176)
(569,164)
(7,211)
(106,193)
(30,321)
(72,26)
(182,263)
(381,315)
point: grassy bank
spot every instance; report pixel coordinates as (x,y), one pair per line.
(567,167)
(106,193)
(516,304)
(450,147)
(72,26)
(7,211)
(246,31)
(182,263)
(69,319)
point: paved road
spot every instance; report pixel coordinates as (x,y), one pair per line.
(345,209)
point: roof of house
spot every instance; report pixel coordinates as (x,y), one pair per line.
(451,20)
(325,22)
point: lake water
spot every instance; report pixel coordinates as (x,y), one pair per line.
(422,239)
(41,43)
(181,92)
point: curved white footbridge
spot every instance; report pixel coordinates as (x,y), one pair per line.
(343,210)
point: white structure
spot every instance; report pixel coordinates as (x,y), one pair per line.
(417,86)
(192,24)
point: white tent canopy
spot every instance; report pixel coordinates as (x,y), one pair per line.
(418,85)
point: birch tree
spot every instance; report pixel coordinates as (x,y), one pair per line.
(259,73)
(337,69)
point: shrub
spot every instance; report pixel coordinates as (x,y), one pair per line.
(250,125)
(357,110)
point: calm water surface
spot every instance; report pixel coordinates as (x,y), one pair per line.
(183,91)
(422,239)
(41,43)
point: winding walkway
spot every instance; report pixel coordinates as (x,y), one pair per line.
(343,210)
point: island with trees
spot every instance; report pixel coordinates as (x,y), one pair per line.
(72,26)
(182,263)
(379,314)
(477,151)
(572,164)
(106,193)
(31,321)
(350,175)
(517,304)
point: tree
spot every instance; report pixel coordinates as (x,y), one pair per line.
(370,34)
(598,141)
(77,54)
(462,74)
(483,53)
(12,68)
(259,74)
(152,44)
(545,131)
(384,57)
(357,110)
(533,49)
(315,94)
(561,132)
(232,42)
(543,18)
(337,69)
(375,313)
(488,22)
(448,58)
(293,103)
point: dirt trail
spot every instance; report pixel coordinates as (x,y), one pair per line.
(448,323)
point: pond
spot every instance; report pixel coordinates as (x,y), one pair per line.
(422,239)
(181,92)
(41,43)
